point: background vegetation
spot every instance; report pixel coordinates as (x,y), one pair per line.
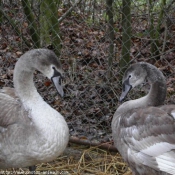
(96,40)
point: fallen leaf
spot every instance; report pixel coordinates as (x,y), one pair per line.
(47,83)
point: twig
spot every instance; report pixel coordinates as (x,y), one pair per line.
(164,40)
(104,146)
(169,5)
(68,11)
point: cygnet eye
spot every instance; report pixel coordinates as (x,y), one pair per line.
(53,67)
(129,76)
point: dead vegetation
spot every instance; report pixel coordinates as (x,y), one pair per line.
(80,160)
(90,100)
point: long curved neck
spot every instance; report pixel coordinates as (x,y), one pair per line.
(23,82)
(157,94)
(155,97)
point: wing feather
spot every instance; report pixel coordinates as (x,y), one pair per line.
(12,110)
(149,134)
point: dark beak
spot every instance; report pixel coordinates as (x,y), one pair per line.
(57,81)
(125,90)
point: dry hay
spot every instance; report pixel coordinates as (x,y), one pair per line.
(80,160)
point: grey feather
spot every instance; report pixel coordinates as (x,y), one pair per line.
(31,132)
(143,131)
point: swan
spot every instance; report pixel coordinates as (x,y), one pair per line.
(143,129)
(31,131)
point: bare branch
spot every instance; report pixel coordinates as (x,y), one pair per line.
(105,146)
(68,11)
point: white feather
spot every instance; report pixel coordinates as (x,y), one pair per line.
(158,149)
(173,114)
(166,162)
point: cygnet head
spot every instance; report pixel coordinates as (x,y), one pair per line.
(134,76)
(49,64)
(43,60)
(137,74)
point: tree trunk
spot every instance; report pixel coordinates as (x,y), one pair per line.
(1,16)
(126,35)
(155,31)
(32,24)
(49,25)
(109,12)
(156,54)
